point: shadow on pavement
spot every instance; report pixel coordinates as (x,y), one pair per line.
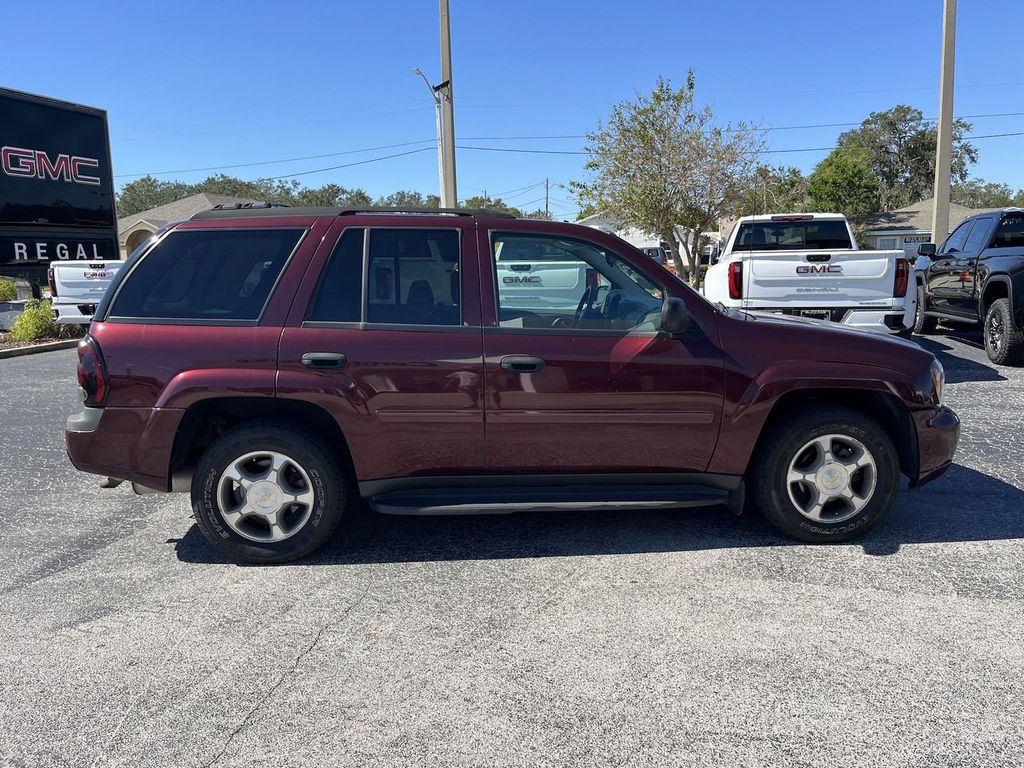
(964,505)
(959,368)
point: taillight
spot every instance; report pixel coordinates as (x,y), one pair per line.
(899,287)
(736,280)
(92,373)
(592,278)
(51,282)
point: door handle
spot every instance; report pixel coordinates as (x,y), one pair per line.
(334,360)
(522,364)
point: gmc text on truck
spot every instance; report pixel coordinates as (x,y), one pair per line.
(809,265)
(56,187)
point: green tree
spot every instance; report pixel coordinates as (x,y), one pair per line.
(406,198)
(490,203)
(148,192)
(844,183)
(664,166)
(899,148)
(332,194)
(977,193)
(773,190)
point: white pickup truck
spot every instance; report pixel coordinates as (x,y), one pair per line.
(76,287)
(808,264)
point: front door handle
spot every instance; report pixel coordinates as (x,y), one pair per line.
(522,364)
(334,360)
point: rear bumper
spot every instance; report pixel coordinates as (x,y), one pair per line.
(132,444)
(74,314)
(882,320)
(938,432)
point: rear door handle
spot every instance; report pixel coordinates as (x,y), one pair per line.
(522,364)
(324,360)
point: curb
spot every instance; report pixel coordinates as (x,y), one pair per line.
(35,349)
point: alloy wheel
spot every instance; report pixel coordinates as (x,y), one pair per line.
(265,496)
(831,478)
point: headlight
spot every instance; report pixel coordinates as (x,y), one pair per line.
(938,380)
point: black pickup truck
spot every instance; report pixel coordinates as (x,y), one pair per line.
(977,275)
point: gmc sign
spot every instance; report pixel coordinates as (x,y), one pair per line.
(819,269)
(36,164)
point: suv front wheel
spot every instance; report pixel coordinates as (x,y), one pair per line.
(265,493)
(829,476)
(1004,342)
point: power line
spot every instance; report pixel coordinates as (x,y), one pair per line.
(348,165)
(527,151)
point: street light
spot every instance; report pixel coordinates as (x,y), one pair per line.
(435,94)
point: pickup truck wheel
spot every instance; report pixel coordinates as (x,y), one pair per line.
(922,323)
(265,493)
(1004,343)
(829,476)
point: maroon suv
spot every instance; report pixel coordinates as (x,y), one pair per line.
(284,363)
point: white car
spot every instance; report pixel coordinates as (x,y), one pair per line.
(76,287)
(808,264)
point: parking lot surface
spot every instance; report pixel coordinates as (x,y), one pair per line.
(689,638)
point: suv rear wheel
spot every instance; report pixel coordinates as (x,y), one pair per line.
(265,493)
(1004,343)
(829,476)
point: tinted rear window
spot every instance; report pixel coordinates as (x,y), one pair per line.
(791,235)
(207,274)
(1010,233)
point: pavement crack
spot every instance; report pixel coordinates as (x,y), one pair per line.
(269,693)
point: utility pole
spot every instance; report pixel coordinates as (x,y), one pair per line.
(450,197)
(547,188)
(944,143)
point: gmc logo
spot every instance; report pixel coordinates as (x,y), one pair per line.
(822,269)
(36,164)
(527,280)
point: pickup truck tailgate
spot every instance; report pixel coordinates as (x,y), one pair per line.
(789,279)
(83,280)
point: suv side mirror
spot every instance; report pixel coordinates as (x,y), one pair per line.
(675,317)
(926,249)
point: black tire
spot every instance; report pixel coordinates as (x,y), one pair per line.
(922,323)
(784,443)
(1004,342)
(317,520)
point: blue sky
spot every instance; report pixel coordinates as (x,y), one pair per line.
(198,85)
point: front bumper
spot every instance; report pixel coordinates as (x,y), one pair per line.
(938,433)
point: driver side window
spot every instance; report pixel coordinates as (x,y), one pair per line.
(955,242)
(545,282)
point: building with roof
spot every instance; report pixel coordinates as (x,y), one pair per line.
(906,228)
(133,230)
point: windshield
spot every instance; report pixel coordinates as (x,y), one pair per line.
(792,235)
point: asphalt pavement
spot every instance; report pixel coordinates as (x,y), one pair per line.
(688,638)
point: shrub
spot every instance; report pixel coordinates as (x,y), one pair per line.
(8,290)
(36,322)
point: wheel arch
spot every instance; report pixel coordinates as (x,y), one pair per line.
(883,407)
(998,287)
(209,418)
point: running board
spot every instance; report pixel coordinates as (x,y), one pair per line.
(494,501)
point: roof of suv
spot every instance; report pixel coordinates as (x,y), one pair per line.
(261,210)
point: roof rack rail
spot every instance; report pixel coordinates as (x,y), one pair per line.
(259,210)
(247,206)
(430,211)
